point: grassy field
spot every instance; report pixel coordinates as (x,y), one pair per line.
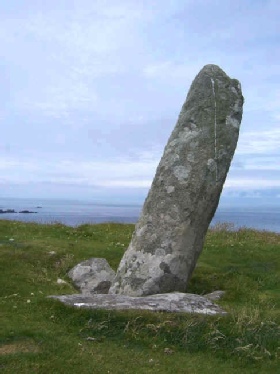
(40,335)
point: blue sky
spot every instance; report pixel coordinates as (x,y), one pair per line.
(91,90)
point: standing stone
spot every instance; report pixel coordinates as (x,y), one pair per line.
(185,192)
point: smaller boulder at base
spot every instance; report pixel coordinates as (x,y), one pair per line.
(93,276)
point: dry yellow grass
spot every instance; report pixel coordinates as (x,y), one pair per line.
(25,346)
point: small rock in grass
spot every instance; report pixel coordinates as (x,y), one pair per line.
(168,351)
(216,295)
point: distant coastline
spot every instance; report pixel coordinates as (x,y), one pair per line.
(74,213)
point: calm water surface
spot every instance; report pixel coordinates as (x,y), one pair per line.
(73,213)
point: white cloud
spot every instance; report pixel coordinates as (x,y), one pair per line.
(262,96)
(259,142)
(262,163)
(130,62)
(60,100)
(172,70)
(127,183)
(81,44)
(122,172)
(251,183)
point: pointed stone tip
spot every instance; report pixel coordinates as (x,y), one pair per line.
(215,71)
(211,69)
(211,66)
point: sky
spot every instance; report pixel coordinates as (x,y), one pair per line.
(90,92)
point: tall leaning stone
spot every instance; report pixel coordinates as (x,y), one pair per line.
(185,192)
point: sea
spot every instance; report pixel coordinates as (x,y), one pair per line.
(74,213)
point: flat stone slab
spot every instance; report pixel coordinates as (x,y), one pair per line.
(168,302)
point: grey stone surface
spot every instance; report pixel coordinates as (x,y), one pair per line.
(215,295)
(92,276)
(186,189)
(169,302)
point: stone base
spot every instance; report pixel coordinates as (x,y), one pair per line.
(168,302)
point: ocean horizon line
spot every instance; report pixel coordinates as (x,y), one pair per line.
(107,202)
(76,212)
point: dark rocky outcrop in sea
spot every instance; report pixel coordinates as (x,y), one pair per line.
(3,211)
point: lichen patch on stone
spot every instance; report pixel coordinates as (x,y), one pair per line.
(181,173)
(232,121)
(170,189)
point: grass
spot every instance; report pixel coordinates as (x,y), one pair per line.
(40,335)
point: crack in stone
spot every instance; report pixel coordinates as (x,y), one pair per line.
(215,125)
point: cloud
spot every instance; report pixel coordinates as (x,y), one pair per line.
(127,183)
(259,142)
(172,70)
(104,81)
(71,50)
(120,172)
(263,162)
(136,172)
(251,183)
(60,100)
